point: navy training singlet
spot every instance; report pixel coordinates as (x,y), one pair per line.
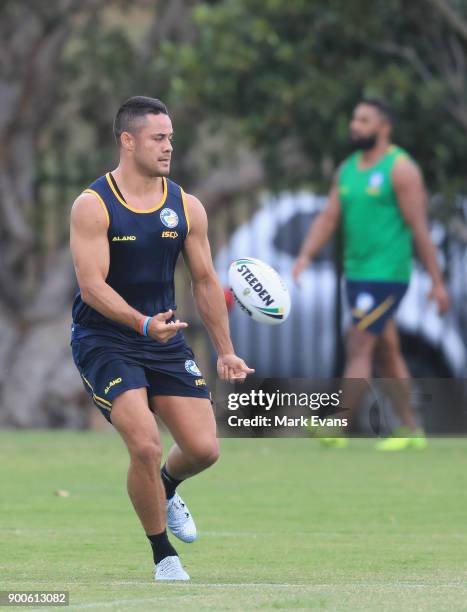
(144,248)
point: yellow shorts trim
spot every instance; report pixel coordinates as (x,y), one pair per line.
(100,401)
(376,313)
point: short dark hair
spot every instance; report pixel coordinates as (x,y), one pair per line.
(382,106)
(133,109)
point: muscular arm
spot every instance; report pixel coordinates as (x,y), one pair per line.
(411,196)
(320,232)
(208,293)
(91,258)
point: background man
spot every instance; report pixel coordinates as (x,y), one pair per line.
(127,231)
(379,193)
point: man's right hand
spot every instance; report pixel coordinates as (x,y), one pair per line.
(160,330)
(301,263)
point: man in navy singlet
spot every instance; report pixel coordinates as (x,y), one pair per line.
(127,231)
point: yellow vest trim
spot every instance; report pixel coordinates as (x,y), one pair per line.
(101,201)
(185,208)
(138,210)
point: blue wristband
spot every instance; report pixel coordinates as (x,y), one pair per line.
(145,325)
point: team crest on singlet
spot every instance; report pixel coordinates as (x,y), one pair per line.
(192,368)
(169,217)
(365,302)
(376,180)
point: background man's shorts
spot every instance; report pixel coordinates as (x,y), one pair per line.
(109,368)
(373,303)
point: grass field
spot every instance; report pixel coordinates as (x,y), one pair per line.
(284,524)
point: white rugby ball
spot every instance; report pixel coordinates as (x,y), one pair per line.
(259,290)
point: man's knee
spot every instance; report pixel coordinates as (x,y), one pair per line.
(206,453)
(359,343)
(389,347)
(146,452)
(388,353)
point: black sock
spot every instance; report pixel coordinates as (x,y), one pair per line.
(170,483)
(161,547)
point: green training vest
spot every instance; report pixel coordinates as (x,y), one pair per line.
(377,240)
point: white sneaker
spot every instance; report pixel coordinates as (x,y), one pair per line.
(179,520)
(170,568)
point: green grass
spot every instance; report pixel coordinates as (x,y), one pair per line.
(284,525)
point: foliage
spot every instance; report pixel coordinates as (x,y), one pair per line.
(281,77)
(290,73)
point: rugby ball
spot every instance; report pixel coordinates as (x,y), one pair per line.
(259,290)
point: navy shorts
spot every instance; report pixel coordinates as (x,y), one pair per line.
(109,367)
(373,303)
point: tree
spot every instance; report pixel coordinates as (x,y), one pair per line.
(243,78)
(290,73)
(65,66)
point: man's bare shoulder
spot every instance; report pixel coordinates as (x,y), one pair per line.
(196,212)
(89,212)
(405,170)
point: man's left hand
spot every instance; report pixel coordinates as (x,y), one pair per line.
(440,295)
(232,368)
